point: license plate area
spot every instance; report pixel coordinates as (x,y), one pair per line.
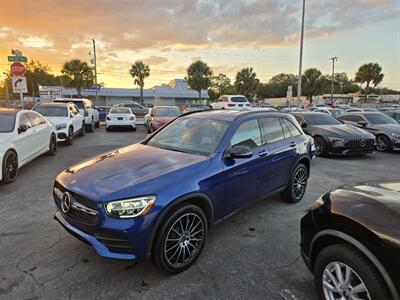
(120,118)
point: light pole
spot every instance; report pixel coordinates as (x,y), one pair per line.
(333,75)
(301,54)
(6,91)
(95,71)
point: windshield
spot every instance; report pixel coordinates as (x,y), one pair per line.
(167,111)
(7,122)
(239,99)
(377,119)
(120,110)
(394,115)
(52,111)
(336,112)
(321,119)
(191,135)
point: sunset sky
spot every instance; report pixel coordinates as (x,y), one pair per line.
(227,34)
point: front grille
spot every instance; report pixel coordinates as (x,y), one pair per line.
(360,143)
(76,213)
(115,242)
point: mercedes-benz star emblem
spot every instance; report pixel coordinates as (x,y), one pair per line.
(66,202)
(363,143)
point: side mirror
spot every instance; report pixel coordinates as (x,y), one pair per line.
(22,128)
(362,123)
(239,152)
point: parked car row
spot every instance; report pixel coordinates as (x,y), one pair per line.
(27,134)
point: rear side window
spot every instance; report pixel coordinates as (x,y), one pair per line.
(272,130)
(294,131)
(34,119)
(24,120)
(351,118)
(286,131)
(239,99)
(79,104)
(248,135)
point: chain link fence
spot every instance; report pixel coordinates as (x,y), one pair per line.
(28,104)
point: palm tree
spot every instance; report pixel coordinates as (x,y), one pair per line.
(246,82)
(77,74)
(199,76)
(139,71)
(368,73)
(312,83)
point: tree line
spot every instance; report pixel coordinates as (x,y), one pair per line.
(79,74)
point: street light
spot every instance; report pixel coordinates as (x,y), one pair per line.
(301,54)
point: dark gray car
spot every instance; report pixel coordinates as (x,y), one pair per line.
(385,129)
(394,114)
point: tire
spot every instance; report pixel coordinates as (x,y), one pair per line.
(107,128)
(363,271)
(90,127)
(70,137)
(98,124)
(176,255)
(297,185)
(134,128)
(52,145)
(82,131)
(10,167)
(320,146)
(383,143)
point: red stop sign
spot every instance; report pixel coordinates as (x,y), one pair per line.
(17,69)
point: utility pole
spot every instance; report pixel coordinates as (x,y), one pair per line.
(95,71)
(301,54)
(334,58)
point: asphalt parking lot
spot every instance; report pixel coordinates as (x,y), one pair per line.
(252,255)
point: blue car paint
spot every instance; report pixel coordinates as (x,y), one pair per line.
(138,170)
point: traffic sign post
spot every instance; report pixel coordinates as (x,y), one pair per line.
(17,58)
(17,72)
(19,86)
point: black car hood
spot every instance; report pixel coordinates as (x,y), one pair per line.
(391,128)
(342,130)
(373,205)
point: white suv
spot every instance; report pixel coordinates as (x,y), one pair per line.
(235,102)
(87,109)
(66,117)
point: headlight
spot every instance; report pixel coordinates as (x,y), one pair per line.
(130,208)
(334,140)
(396,135)
(61,126)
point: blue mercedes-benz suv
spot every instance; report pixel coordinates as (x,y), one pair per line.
(158,197)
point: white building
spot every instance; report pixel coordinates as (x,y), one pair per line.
(176,92)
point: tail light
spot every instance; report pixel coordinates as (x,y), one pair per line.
(108,118)
(231,104)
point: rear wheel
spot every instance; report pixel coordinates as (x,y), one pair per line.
(82,131)
(180,239)
(90,127)
(10,167)
(134,128)
(297,184)
(70,136)
(52,145)
(342,272)
(98,124)
(320,147)
(383,143)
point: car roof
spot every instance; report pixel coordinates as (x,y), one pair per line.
(309,113)
(71,99)
(168,106)
(55,104)
(9,110)
(231,115)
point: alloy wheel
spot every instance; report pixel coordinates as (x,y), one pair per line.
(11,166)
(184,240)
(381,143)
(318,146)
(299,183)
(339,281)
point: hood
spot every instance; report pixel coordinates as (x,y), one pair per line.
(391,128)
(58,120)
(375,205)
(163,120)
(343,131)
(130,171)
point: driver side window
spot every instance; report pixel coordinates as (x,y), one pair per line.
(248,135)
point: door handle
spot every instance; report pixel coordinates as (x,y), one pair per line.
(263,153)
(292,144)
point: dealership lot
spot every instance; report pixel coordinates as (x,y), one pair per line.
(253,254)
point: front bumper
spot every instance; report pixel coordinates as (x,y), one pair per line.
(352,147)
(91,240)
(62,134)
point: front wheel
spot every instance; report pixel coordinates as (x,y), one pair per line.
(342,272)
(90,127)
(297,184)
(10,167)
(319,146)
(82,131)
(180,239)
(70,136)
(383,143)
(52,145)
